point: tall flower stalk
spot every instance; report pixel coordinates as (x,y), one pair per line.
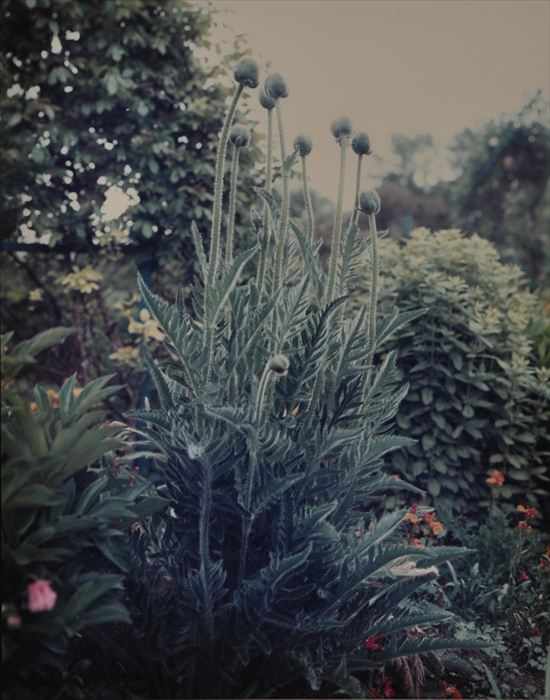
(285,205)
(341,130)
(361,146)
(275,87)
(369,203)
(240,138)
(246,75)
(268,104)
(303,146)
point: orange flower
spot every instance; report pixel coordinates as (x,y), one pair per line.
(434,524)
(416,542)
(411,518)
(34,407)
(496,478)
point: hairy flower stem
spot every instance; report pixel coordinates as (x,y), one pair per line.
(357,212)
(285,206)
(373,300)
(235,153)
(215,243)
(337,229)
(214,256)
(266,247)
(308,204)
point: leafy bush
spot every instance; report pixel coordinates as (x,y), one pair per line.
(270,569)
(478,404)
(504,586)
(61,541)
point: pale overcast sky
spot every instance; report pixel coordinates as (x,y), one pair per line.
(404,66)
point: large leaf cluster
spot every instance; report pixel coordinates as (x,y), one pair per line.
(55,527)
(270,567)
(477,399)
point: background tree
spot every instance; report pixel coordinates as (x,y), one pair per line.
(103,98)
(503,189)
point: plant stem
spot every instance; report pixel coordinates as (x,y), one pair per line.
(214,255)
(337,229)
(356,213)
(285,206)
(308,204)
(204,543)
(373,301)
(232,204)
(260,276)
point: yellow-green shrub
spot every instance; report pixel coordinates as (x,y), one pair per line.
(477,401)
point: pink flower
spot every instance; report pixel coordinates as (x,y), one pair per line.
(41,596)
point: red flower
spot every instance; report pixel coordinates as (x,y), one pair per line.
(523,576)
(373,643)
(528,511)
(451,691)
(389,690)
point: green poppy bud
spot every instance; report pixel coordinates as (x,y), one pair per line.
(361,144)
(246,73)
(239,136)
(369,202)
(275,86)
(303,145)
(279,365)
(266,101)
(341,127)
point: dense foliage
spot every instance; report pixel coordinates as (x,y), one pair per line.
(503,589)
(63,527)
(479,404)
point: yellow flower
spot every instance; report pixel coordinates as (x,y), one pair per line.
(127,355)
(147,326)
(36,295)
(84,280)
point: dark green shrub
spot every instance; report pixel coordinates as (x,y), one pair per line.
(477,402)
(63,552)
(270,569)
